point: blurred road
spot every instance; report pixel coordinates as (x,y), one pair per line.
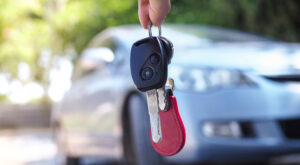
(32,147)
(26,147)
(36,147)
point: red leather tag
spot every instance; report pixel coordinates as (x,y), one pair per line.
(173,132)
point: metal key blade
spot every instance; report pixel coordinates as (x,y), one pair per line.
(154,115)
(162,101)
(170,83)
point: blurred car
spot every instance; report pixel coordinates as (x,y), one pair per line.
(238,95)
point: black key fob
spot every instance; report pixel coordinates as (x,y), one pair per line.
(149,64)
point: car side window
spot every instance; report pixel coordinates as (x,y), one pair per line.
(88,65)
(111,44)
(114,67)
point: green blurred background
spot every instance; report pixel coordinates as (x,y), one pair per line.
(35,32)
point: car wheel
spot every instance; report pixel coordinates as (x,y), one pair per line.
(72,161)
(142,150)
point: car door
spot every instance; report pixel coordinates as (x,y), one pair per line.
(94,112)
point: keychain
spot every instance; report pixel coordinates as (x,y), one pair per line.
(149,70)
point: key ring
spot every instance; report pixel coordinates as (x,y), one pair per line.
(150,31)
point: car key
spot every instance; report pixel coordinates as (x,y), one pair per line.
(149,67)
(149,71)
(173,137)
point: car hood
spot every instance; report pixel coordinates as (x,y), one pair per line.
(266,58)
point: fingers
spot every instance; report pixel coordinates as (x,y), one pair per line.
(158,11)
(154,10)
(144,13)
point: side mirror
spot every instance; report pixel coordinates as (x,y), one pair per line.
(95,58)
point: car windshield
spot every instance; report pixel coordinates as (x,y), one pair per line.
(217,34)
(188,36)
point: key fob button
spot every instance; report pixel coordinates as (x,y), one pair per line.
(147,73)
(154,58)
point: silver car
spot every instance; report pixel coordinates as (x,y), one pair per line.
(238,95)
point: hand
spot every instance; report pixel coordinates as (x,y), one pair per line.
(153,10)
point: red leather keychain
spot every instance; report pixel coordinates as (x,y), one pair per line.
(173,131)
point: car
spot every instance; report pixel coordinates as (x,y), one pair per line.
(238,96)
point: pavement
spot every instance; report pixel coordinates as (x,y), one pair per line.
(33,147)
(36,147)
(27,147)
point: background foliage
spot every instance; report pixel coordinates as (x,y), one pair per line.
(27,28)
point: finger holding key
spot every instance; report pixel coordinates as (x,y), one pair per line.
(153,10)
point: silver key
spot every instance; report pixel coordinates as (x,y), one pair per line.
(170,84)
(161,94)
(157,100)
(162,100)
(153,110)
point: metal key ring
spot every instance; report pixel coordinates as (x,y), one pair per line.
(150,31)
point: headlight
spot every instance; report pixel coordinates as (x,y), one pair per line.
(202,79)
